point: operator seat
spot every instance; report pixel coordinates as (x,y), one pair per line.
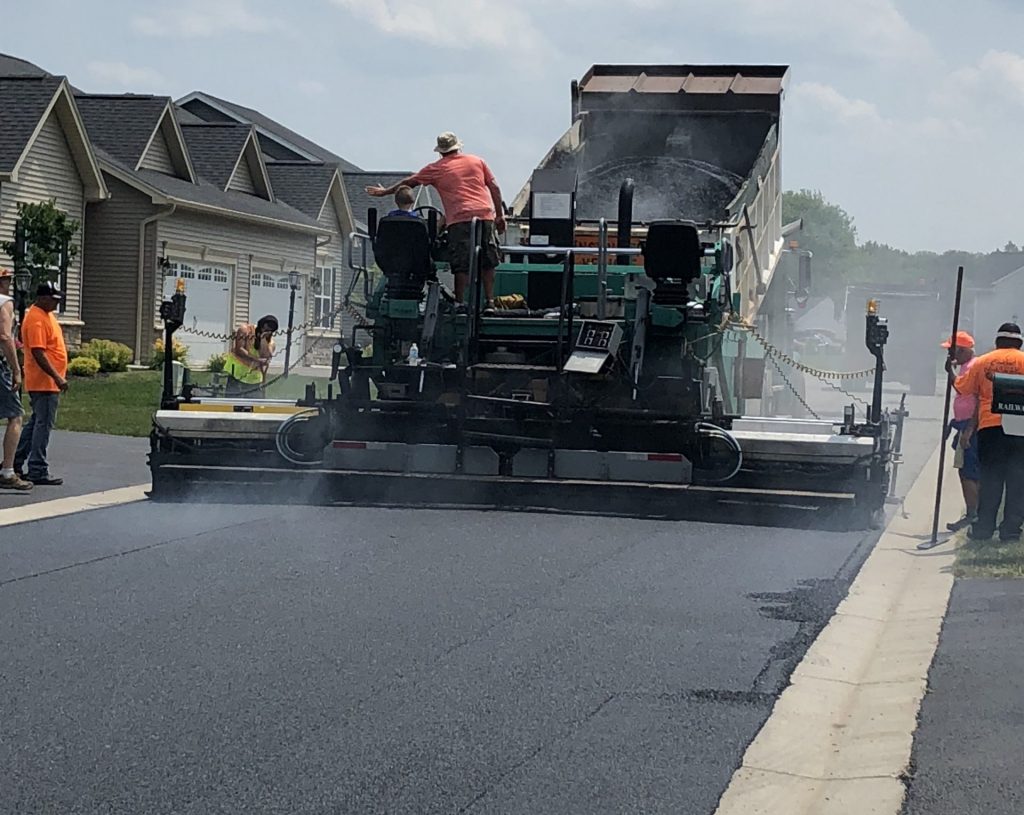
(672,256)
(402,250)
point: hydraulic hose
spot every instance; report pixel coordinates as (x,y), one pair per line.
(713,431)
(283,440)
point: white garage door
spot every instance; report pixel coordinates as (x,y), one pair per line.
(207,307)
(269,294)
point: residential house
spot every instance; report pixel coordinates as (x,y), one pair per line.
(315,188)
(190,201)
(1002,302)
(45,155)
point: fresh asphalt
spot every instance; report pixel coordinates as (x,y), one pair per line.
(968,750)
(201,659)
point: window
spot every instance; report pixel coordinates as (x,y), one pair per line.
(282,283)
(206,273)
(220,276)
(183,270)
(323,300)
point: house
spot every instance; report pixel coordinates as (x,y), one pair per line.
(1002,302)
(279,143)
(45,154)
(315,189)
(191,201)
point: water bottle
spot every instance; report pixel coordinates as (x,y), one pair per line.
(414,354)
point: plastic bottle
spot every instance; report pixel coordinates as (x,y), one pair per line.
(414,354)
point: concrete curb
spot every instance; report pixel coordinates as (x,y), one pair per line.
(69,506)
(839,738)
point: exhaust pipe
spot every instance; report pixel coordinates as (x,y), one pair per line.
(625,223)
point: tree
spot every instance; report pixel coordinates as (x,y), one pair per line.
(828,232)
(47,229)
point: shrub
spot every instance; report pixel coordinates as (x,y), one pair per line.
(83,366)
(113,357)
(179,353)
(216,363)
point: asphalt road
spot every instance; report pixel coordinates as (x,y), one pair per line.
(968,750)
(88,462)
(217,659)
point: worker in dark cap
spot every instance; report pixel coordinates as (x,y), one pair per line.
(1002,455)
(46,370)
(247,362)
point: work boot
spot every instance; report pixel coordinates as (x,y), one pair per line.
(963,523)
(1011,537)
(14,482)
(979,535)
(45,480)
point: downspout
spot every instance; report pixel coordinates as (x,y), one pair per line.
(139,301)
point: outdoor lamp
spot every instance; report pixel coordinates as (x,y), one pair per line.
(23,281)
(293,279)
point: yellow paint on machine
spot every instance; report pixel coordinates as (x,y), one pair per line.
(199,407)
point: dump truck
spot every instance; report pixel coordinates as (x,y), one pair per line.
(636,264)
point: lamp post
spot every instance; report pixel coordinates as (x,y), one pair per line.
(22,291)
(293,284)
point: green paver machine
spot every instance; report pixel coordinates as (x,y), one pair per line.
(611,376)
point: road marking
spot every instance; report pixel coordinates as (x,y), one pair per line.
(68,506)
(839,738)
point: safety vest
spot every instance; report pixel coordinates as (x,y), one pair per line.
(239,369)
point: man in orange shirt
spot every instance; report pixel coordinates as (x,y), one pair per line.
(46,366)
(1002,455)
(468,190)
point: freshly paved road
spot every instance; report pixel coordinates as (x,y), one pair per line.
(215,659)
(968,750)
(88,462)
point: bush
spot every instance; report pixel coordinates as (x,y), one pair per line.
(83,366)
(216,363)
(179,352)
(113,357)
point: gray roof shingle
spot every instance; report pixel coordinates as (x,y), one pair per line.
(355,189)
(215,149)
(277,129)
(23,100)
(11,66)
(302,184)
(121,124)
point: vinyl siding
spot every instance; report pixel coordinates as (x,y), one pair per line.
(237,244)
(49,171)
(334,251)
(242,181)
(158,157)
(110,281)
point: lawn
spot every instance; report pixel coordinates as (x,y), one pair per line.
(123,404)
(990,559)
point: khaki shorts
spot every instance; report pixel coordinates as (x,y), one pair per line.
(458,247)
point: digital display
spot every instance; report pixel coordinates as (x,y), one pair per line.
(599,336)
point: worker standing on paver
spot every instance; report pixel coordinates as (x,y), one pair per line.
(1002,455)
(10,388)
(965,440)
(468,190)
(46,369)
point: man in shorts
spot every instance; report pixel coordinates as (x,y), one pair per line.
(468,190)
(10,387)
(964,425)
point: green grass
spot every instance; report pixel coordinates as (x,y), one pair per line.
(990,559)
(123,404)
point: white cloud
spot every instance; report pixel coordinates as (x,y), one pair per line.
(863,122)
(840,107)
(125,76)
(997,74)
(459,24)
(206,18)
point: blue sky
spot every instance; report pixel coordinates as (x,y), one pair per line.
(909,113)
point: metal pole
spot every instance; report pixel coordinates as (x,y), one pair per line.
(288,342)
(602,270)
(934,541)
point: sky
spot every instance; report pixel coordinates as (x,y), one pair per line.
(907,113)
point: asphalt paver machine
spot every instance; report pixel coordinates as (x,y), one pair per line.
(606,379)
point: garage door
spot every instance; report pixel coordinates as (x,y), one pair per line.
(269,294)
(207,308)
